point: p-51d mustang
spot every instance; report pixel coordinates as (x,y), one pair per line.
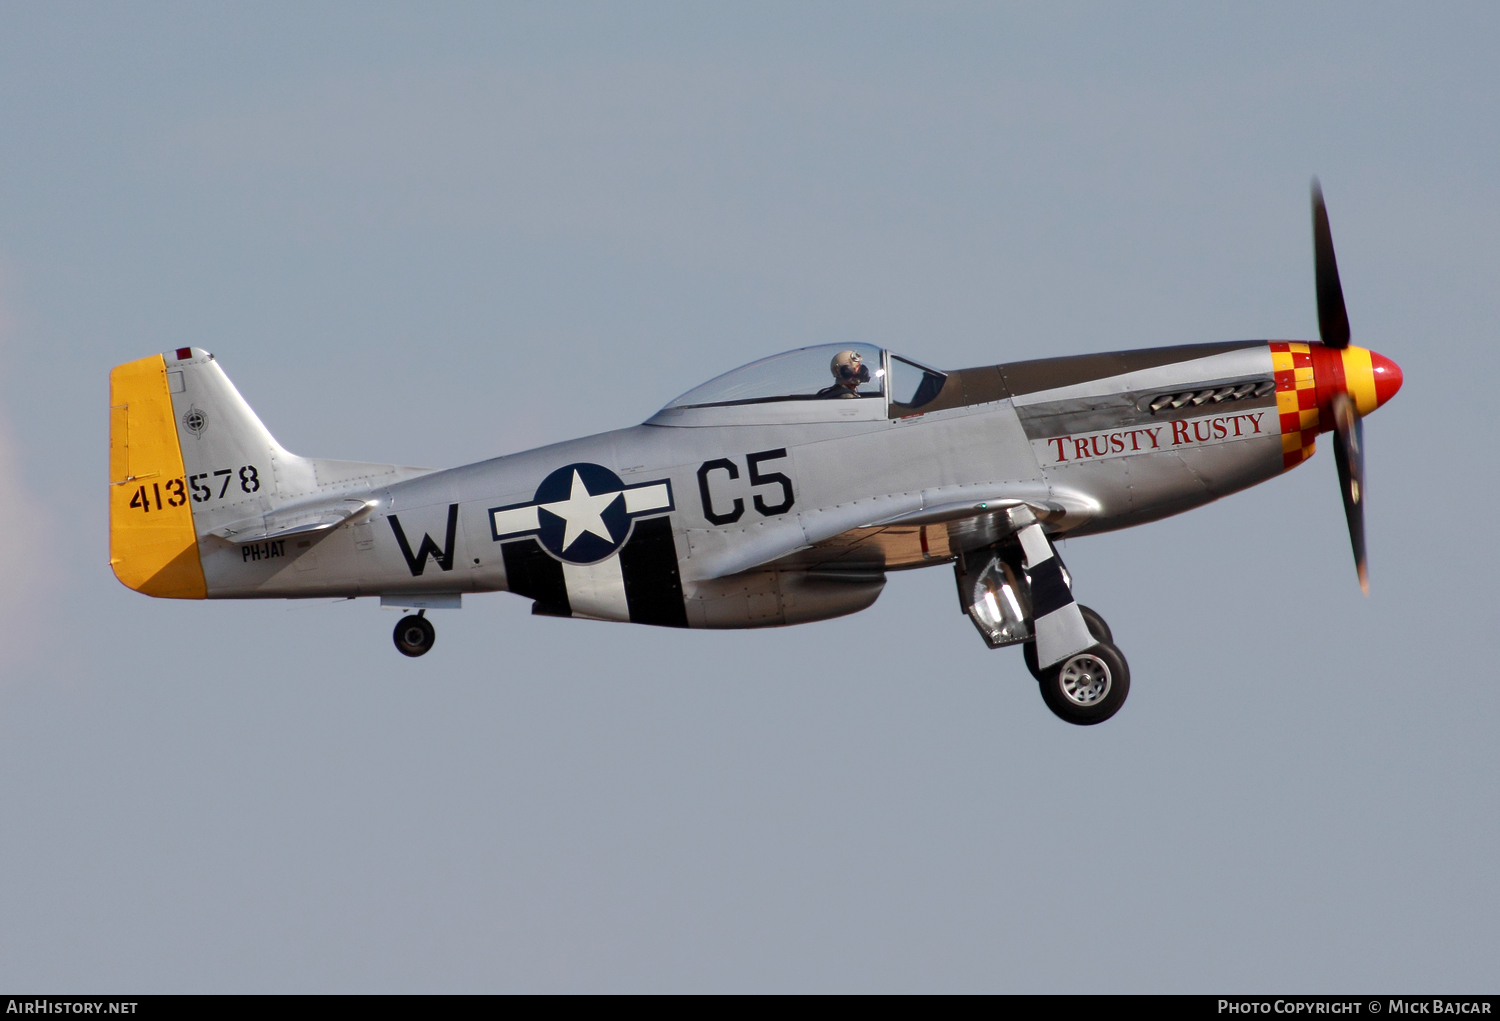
(764,497)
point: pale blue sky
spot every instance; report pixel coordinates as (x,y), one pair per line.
(432,235)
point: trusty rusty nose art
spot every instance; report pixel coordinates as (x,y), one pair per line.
(782,492)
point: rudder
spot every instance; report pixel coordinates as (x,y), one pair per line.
(153,546)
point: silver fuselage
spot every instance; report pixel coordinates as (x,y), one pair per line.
(870,490)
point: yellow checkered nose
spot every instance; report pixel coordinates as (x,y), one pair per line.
(1307,377)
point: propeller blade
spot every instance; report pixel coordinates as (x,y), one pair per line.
(1349,454)
(1333,319)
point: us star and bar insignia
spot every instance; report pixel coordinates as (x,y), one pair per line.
(582,513)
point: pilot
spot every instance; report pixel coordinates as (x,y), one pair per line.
(848,372)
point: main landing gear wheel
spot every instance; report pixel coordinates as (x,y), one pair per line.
(414,635)
(1088,687)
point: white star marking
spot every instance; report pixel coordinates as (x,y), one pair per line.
(583,511)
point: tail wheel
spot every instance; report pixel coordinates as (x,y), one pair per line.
(414,635)
(1088,687)
(1097,628)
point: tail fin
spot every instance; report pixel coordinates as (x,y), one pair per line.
(152,545)
(189,458)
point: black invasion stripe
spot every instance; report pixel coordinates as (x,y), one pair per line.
(653,588)
(1048,589)
(997,382)
(530,572)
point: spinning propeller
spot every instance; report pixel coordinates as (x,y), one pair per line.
(1349,440)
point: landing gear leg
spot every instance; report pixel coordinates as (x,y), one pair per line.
(414,635)
(1097,628)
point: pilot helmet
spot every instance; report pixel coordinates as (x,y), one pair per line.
(847,367)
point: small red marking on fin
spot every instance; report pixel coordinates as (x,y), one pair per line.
(184,353)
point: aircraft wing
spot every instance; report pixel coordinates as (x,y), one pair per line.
(896,532)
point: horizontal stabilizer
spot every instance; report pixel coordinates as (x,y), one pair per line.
(290,521)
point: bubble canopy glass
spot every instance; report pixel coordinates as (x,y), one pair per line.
(800,375)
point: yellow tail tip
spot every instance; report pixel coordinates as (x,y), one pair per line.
(153,547)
